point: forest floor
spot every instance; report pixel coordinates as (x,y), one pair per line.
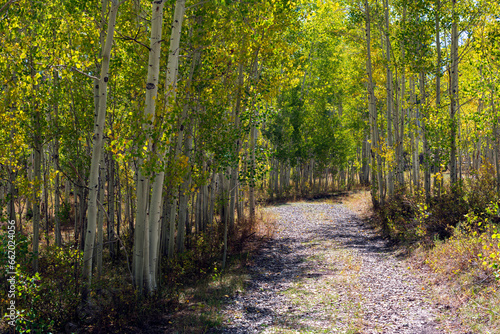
(326,270)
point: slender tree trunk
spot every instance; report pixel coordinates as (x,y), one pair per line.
(36,198)
(423,120)
(119,208)
(497,151)
(96,151)
(100,216)
(67,191)
(251,194)
(165,222)
(172,218)
(184,196)
(376,169)
(205,205)
(213,182)
(438,87)
(111,206)
(75,204)
(454,95)
(237,145)
(414,136)
(225,216)
(45,196)
(390,100)
(496,144)
(57,191)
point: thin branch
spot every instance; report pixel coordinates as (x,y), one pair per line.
(134,39)
(117,237)
(86,74)
(4,7)
(76,70)
(78,175)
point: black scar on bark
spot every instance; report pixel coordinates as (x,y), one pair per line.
(182,127)
(105,79)
(96,86)
(150,85)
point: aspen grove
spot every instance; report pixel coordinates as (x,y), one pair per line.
(139,139)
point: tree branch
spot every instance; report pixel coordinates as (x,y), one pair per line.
(134,39)
(76,70)
(5,6)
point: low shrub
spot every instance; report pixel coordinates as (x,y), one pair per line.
(409,218)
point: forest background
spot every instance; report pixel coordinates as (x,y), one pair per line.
(138,138)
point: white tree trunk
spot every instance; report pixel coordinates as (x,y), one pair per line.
(141,233)
(100,216)
(251,193)
(376,170)
(454,95)
(97,148)
(57,193)
(111,205)
(390,100)
(427,172)
(36,201)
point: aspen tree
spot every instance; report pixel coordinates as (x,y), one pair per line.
(438,83)
(100,216)
(376,159)
(426,153)
(401,112)
(147,265)
(111,205)
(182,126)
(96,150)
(141,232)
(453,95)
(390,99)
(413,114)
(251,194)
(225,213)
(57,191)
(237,148)
(36,190)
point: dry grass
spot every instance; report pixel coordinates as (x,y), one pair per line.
(265,225)
(360,202)
(462,281)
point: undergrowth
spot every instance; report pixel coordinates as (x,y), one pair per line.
(192,286)
(456,236)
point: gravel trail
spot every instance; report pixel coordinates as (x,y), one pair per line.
(325,271)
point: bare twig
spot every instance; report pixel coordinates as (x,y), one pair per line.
(77,70)
(86,74)
(120,240)
(134,39)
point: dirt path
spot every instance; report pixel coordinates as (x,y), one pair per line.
(326,272)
